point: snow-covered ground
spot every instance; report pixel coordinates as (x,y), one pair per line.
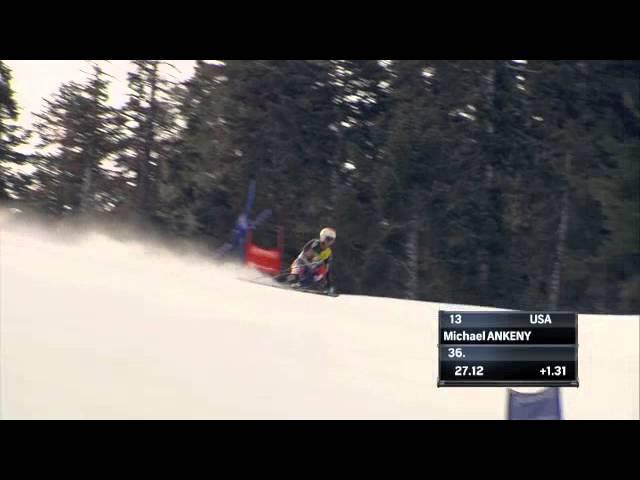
(99,329)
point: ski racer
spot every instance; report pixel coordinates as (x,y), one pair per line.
(313,265)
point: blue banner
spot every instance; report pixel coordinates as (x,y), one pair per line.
(544,405)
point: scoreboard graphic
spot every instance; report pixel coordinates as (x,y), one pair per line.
(507,349)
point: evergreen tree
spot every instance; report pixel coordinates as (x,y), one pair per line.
(278,114)
(149,137)
(195,199)
(78,133)
(361,99)
(10,138)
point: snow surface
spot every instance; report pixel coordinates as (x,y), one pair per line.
(96,328)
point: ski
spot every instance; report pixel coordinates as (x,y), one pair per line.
(317,292)
(326,293)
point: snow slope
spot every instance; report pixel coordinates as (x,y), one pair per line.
(101,329)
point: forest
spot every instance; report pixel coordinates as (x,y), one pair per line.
(503,183)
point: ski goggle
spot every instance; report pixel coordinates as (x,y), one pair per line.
(329,240)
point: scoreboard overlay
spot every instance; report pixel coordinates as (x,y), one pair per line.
(507,349)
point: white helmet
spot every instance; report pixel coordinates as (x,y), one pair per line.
(327,235)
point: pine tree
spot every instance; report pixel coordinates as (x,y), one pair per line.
(410,157)
(279,115)
(78,133)
(586,130)
(361,99)
(11,184)
(150,136)
(196,199)
(611,184)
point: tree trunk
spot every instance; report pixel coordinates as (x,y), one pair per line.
(412,261)
(145,161)
(413,251)
(484,257)
(86,192)
(563,227)
(335,169)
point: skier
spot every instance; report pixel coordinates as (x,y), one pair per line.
(313,265)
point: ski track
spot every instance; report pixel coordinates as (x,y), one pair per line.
(103,329)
